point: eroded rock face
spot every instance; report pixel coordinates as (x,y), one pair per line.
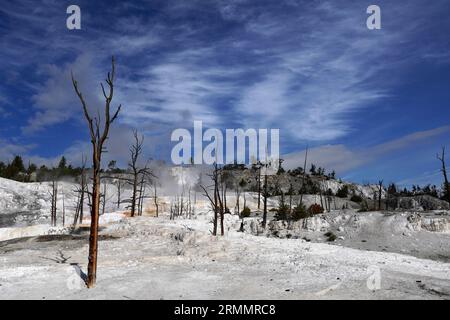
(284,228)
(436,224)
(421,203)
(414,222)
(316,223)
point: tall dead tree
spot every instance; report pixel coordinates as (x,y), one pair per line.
(265,195)
(380,191)
(54,199)
(303,177)
(98,138)
(146,180)
(81,190)
(141,195)
(64,209)
(103,195)
(118,184)
(155,198)
(257,167)
(135,151)
(215,199)
(137,173)
(446,186)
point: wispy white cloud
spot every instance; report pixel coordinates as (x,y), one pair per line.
(55,101)
(308,68)
(316,80)
(9,149)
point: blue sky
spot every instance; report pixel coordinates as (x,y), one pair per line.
(371,104)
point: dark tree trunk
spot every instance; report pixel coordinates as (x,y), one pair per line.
(93,236)
(444,173)
(83,190)
(119,187)
(97,139)
(259,188)
(380,190)
(303,176)
(54,202)
(156,202)
(64,211)
(265,195)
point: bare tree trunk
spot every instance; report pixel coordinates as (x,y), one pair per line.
(380,189)
(93,236)
(265,195)
(64,210)
(259,187)
(220,203)
(55,199)
(133,197)
(225,197)
(303,176)
(83,190)
(290,198)
(77,211)
(135,152)
(238,196)
(216,203)
(156,202)
(444,173)
(104,198)
(119,187)
(140,197)
(97,139)
(53,209)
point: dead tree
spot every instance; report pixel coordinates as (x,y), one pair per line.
(215,199)
(54,199)
(98,138)
(136,172)
(303,177)
(380,191)
(146,179)
(226,182)
(141,195)
(265,195)
(118,184)
(81,190)
(155,197)
(257,168)
(441,158)
(103,197)
(64,209)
